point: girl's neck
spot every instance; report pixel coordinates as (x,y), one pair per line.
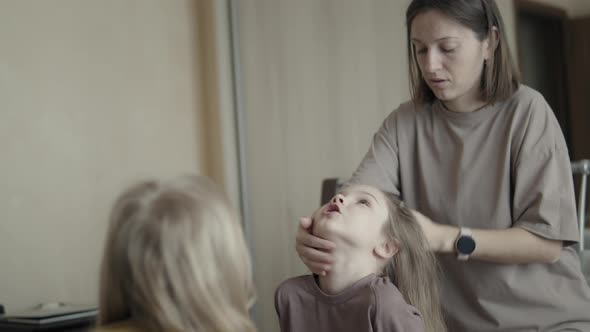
(347,269)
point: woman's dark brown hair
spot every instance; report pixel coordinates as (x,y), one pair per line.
(500,78)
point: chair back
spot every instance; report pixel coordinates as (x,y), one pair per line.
(582,168)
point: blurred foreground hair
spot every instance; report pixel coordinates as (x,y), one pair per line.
(175,259)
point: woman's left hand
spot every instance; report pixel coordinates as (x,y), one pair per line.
(440,237)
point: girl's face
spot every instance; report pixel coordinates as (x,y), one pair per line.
(450,58)
(356,216)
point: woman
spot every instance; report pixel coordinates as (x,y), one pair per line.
(484,161)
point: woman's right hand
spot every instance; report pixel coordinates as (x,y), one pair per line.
(315,252)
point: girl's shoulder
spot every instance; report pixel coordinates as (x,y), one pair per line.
(293,288)
(385,289)
(392,308)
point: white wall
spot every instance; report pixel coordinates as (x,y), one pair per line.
(93,95)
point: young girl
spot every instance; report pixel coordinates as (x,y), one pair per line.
(383,277)
(175,260)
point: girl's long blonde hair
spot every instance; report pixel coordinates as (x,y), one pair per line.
(175,259)
(414,268)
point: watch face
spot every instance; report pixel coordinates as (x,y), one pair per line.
(465,245)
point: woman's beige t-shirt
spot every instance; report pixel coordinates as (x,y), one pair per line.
(503,166)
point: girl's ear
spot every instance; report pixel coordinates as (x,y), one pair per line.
(387,249)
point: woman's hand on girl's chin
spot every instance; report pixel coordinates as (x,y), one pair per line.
(315,252)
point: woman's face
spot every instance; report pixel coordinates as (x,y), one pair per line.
(355,216)
(450,58)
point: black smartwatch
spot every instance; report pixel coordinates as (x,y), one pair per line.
(465,244)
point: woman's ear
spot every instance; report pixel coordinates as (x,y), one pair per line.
(387,249)
(491,43)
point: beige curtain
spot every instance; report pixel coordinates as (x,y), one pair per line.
(217,134)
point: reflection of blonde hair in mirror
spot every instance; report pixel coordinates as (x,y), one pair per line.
(417,275)
(175,259)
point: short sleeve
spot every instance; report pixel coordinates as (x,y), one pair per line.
(393,314)
(282,293)
(278,301)
(544,200)
(380,166)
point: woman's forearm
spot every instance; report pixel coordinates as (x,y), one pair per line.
(511,246)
